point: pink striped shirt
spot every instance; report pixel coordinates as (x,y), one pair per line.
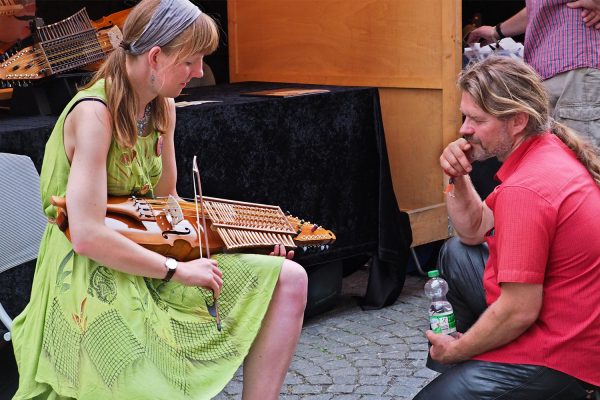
(557,39)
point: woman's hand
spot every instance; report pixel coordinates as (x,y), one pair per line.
(280,251)
(203,272)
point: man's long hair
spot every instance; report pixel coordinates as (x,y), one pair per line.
(503,87)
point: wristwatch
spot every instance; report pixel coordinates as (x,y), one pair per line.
(171,266)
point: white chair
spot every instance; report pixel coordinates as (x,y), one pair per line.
(22,216)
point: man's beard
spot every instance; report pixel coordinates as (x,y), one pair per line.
(501,149)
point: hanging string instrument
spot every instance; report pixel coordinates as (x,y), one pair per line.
(59,47)
(104,24)
(170,226)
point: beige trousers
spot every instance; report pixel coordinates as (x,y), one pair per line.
(575,101)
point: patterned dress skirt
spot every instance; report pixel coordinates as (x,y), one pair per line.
(90,332)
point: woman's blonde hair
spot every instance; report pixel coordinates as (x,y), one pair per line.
(503,87)
(201,37)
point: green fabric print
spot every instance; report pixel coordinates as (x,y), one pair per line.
(102,285)
(63,274)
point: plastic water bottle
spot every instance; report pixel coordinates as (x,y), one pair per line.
(441,315)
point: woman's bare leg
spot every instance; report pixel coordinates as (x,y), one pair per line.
(267,363)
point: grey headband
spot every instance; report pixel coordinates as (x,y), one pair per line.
(169,20)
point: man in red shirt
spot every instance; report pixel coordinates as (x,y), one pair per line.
(532,323)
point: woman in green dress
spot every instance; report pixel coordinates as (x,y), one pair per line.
(108,318)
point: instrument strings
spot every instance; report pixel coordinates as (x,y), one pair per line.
(56,57)
(255,215)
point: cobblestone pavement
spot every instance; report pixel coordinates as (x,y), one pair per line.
(351,354)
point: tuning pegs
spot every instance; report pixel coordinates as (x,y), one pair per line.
(5,56)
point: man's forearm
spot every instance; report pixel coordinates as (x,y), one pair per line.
(502,322)
(465,210)
(515,25)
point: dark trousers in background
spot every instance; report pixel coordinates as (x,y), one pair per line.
(462,267)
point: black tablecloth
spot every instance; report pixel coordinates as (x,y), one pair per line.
(320,156)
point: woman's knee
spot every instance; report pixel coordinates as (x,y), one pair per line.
(293,282)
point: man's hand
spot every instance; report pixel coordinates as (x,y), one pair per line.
(443,348)
(590,12)
(484,35)
(455,158)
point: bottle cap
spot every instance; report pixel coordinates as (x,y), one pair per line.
(433,273)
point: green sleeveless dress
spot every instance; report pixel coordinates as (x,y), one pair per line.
(90,332)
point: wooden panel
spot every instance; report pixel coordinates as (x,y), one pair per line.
(347,42)
(410,49)
(412,119)
(451,66)
(428,224)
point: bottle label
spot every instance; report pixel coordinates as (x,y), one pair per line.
(443,323)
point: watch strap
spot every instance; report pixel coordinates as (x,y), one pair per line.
(170,271)
(499,32)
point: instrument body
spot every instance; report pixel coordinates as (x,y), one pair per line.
(115,19)
(171,229)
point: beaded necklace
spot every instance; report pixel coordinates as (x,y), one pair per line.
(142,123)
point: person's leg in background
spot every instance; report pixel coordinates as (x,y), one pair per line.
(575,101)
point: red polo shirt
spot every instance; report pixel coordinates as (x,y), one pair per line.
(547,231)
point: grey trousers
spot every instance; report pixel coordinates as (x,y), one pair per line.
(462,267)
(575,101)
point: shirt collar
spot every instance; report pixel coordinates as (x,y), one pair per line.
(514,159)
